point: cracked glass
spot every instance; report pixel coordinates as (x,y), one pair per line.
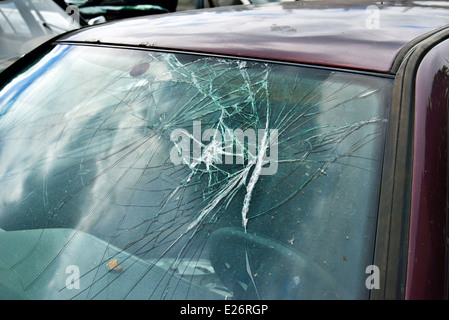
(134,174)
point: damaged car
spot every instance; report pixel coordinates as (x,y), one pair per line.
(231,153)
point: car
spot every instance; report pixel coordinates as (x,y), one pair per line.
(106,10)
(26,24)
(201,4)
(168,5)
(281,151)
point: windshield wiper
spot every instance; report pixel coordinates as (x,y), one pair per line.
(50,26)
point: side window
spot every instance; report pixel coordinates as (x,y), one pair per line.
(427,245)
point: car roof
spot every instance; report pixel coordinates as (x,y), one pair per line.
(329,33)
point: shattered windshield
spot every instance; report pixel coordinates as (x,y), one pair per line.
(134,174)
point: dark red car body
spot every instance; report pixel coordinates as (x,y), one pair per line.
(408,45)
(327,33)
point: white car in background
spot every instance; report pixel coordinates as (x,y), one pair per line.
(25,24)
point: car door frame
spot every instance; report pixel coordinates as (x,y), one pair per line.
(395,206)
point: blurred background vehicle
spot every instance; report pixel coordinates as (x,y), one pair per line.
(199,4)
(98,11)
(106,10)
(24,24)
